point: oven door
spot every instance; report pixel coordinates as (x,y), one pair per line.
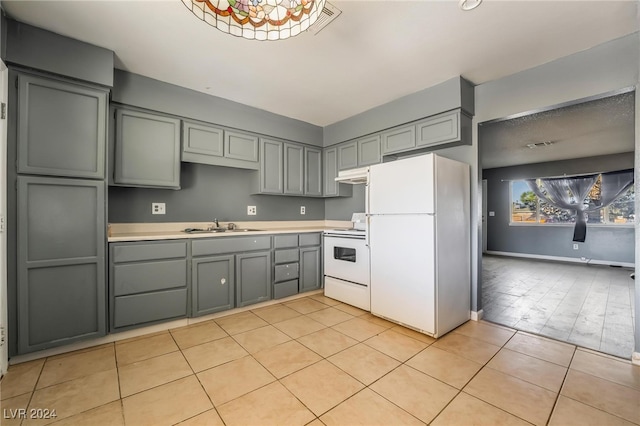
(346,258)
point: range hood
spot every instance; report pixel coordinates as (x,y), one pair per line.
(354,176)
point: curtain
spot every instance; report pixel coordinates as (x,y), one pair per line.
(570,193)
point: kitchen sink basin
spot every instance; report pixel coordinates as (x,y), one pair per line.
(245,230)
(204,231)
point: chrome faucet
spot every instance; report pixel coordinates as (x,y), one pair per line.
(216,222)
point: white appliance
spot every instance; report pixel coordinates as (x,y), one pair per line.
(419,238)
(346,263)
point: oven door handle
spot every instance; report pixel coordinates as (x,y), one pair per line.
(351,237)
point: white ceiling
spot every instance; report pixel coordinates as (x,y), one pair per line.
(588,129)
(373,53)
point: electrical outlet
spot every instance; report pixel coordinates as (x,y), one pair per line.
(251,210)
(303,210)
(158,208)
(575,247)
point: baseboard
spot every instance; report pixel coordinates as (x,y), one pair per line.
(562,259)
(477,315)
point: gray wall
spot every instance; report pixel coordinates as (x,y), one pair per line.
(144,92)
(46,51)
(607,243)
(209,192)
(342,208)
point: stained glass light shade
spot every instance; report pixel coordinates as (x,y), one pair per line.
(258,19)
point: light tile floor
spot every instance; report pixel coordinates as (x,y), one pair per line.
(317,361)
(589,305)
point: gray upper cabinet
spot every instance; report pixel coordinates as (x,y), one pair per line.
(398,139)
(147,150)
(271,167)
(369,151)
(332,188)
(312,172)
(60,261)
(293,169)
(347,155)
(241,146)
(61,128)
(445,128)
(201,141)
(442,128)
(207,144)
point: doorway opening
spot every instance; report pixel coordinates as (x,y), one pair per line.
(535,277)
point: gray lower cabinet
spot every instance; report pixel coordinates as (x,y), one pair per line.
(212,284)
(224,266)
(330,187)
(253,278)
(286,266)
(148,282)
(61,291)
(147,149)
(310,254)
(61,128)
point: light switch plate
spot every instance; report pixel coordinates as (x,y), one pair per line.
(158,208)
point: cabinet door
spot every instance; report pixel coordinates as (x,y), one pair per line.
(312,172)
(443,128)
(253,278)
(271,167)
(212,285)
(331,187)
(310,267)
(369,151)
(293,169)
(241,146)
(60,261)
(61,128)
(348,155)
(399,139)
(147,150)
(201,140)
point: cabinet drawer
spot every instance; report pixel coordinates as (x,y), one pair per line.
(147,251)
(286,272)
(143,308)
(310,239)
(286,256)
(284,289)
(149,276)
(285,241)
(229,245)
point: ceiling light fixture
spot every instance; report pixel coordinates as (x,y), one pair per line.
(469,4)
(258,19)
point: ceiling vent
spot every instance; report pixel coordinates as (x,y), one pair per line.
(328,14)
(539,144)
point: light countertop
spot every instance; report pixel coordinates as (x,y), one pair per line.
(119,232)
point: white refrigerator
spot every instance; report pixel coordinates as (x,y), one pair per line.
(420,245)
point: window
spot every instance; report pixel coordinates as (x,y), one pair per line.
(527,208)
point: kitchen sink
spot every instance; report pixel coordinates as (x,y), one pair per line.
(245,230)
(204,231)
